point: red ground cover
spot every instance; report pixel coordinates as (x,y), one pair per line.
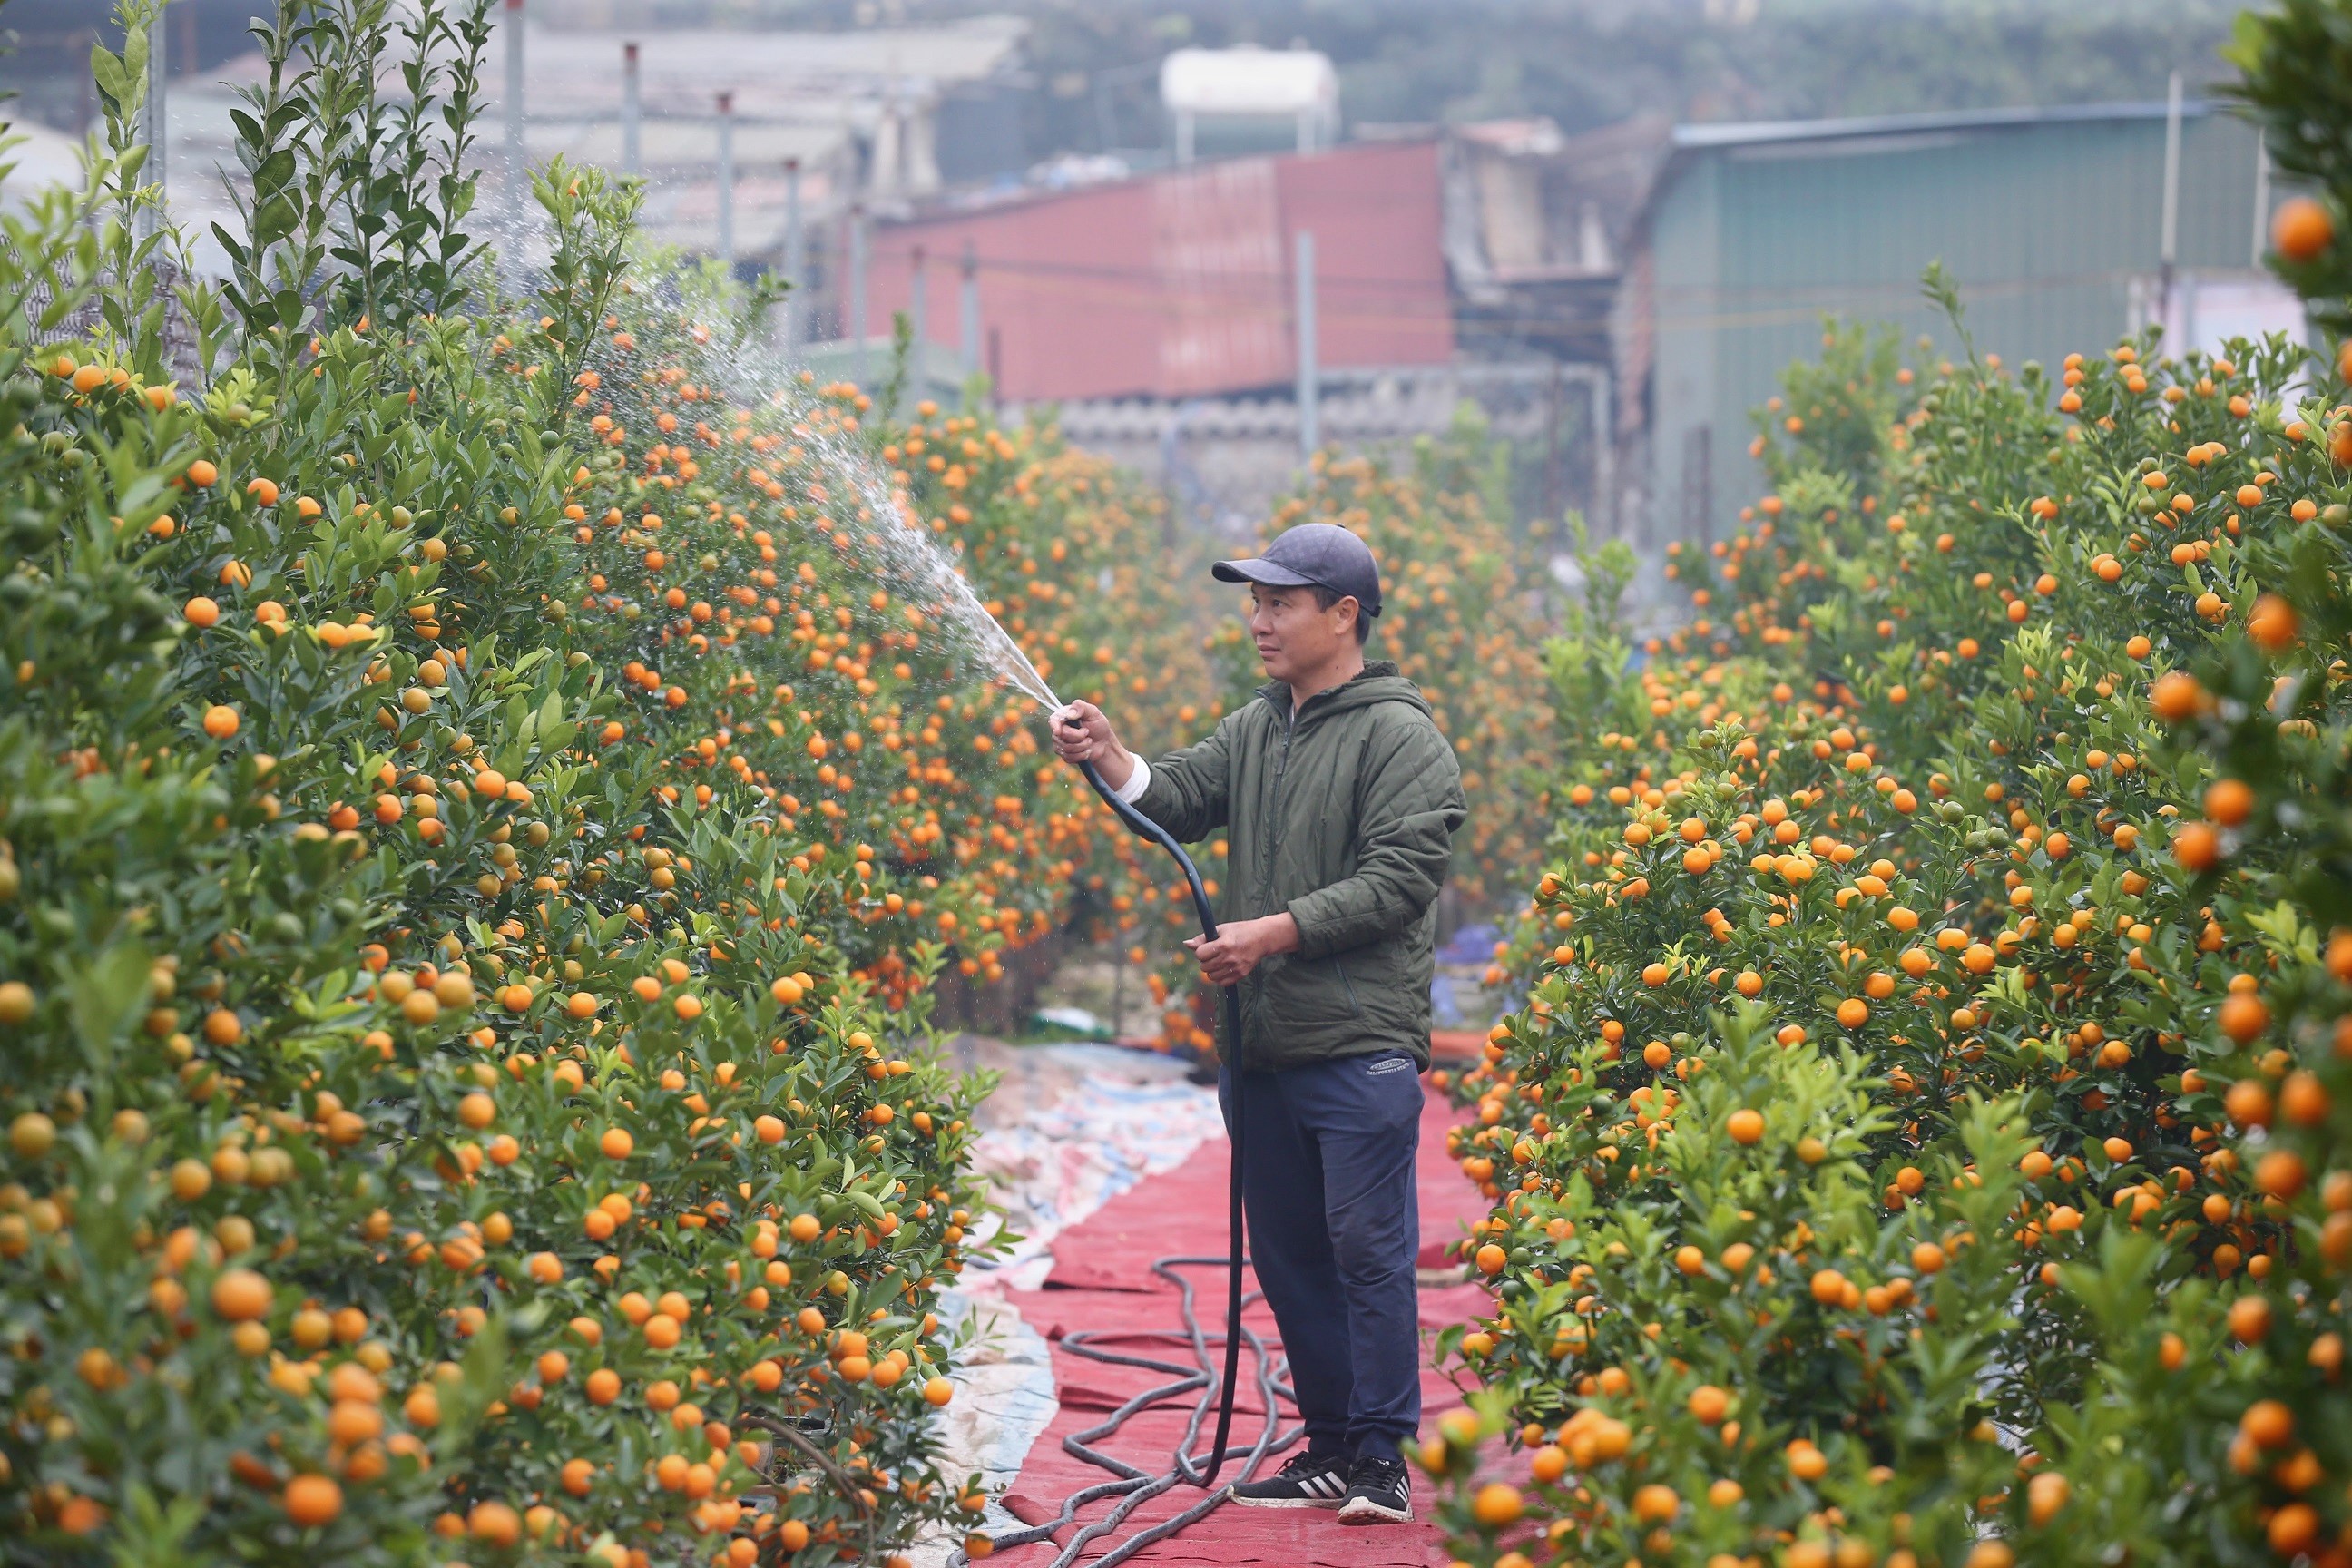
(1102,1280)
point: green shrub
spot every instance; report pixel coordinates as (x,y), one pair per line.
(1924,1139)
(436,1128)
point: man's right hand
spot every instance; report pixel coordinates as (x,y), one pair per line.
(1081,734)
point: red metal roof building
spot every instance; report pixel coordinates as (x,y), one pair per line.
(1181,283)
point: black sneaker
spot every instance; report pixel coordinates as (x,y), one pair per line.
(1309,1481)
(1380,1491)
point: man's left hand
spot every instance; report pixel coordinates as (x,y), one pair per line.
(1241,944)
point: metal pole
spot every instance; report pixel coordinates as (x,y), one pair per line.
(857,291)
(515,157)
(158,130)
(2171,235)
(726,180)
(918,313)
(632,147)
(1553,502)
(967,308)
(795,262)
(1309,435)
(2262,196)
(1105,124)
(1605,441)
(1183,136)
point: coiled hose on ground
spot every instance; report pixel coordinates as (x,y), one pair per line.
(1135,1487)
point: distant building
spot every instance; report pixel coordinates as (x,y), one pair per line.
(2052,222)
(1181,283)
(903,112)
(886,116)
(1537,225)
(1157,314)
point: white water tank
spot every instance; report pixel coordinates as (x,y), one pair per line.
(1249,82)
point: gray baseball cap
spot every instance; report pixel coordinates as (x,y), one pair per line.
(1318,554)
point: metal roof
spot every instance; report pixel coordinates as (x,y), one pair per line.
(775,73)
(2050,221)
(41,158)
(1179,283)
(668,146)
(1757,133)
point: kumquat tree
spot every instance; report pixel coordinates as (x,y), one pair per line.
(1927,1135)
(834,667)
(472,860)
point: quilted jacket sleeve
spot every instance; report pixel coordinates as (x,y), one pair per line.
(1409,803)
(1189,794)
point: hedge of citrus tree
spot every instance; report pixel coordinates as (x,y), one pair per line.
(462,960)
(801,554)
(1924,1138)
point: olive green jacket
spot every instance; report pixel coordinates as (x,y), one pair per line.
(1345,817)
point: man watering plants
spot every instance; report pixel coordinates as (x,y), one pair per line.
(1339,799)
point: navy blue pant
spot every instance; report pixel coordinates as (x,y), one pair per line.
(1334,1225)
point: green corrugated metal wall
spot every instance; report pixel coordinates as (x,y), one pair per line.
(2045,225)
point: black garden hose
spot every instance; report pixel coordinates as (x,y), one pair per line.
(1234,1222)
(1134,1487)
